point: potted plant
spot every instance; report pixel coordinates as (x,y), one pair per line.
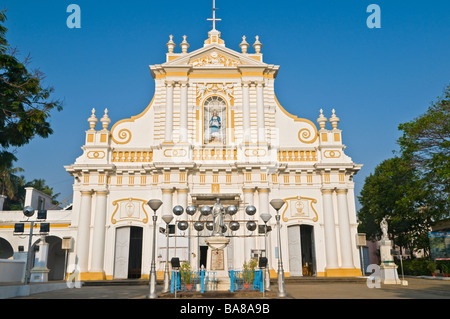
(249,272)
(186,274)
(445,269)
(431,267)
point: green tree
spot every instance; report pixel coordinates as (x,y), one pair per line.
(9,181)
(40,185)
(395,191)
(425,143)
(25,105)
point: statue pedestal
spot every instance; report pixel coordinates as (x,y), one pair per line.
(388,269)
(389,274)
(217,242)
(39,273)
(217,257)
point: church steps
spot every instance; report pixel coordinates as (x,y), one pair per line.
(273,281)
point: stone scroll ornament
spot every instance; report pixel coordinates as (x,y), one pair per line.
(307,133)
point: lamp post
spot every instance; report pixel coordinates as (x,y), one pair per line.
(167,219)
(190,211)
(212,239)
(154,204)
(266,217)
(277,204)
(28,212)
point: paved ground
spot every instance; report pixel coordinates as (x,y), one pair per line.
(416,289)
(296,289)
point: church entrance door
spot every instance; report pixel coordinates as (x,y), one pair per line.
(203,256)
(301,250)
(128,253)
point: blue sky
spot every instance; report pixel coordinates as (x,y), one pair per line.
(329,58)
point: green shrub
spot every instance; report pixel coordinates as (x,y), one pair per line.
(443,266)
(249,269)
(185,271)
(419,267)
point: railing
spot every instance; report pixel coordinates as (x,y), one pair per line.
(246,280)
(193,281)
(220,153)
(297,156)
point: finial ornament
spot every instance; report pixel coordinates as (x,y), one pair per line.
(322,120)
(334,120)
(257,45)
(171,45)
(92,120)
(184,45)
(105,120)
(244,45)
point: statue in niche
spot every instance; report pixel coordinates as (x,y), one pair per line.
(215,125)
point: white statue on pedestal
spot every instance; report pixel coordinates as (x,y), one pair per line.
(388,268)
(217,213)
(384,229)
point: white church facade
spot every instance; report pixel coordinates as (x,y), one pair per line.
(214,129)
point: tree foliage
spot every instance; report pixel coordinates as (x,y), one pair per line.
(9,181)
(426,144)
(25,104)
(412,188)
(13,186)
(395,191)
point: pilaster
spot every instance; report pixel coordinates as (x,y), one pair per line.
(98,244)
(83,236)
(168,129)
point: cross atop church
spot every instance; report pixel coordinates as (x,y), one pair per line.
(214,16)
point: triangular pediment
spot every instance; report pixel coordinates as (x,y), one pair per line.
(214,56)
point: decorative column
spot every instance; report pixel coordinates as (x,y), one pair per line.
(182,199)
(260,111)
(83,235)
(344,229)
(246,111)
(330,230)
(168,133)
(263,200)
(184,112)
(263,193)
(167,201)
(98,243)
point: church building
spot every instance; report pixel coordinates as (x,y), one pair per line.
(213,130)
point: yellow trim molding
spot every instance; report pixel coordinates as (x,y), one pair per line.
(297,119)
(311,202)
(125,131)
(343,272)
(128,218)
(87,276)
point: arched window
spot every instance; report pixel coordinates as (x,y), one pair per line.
(6,250)
(215,120)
